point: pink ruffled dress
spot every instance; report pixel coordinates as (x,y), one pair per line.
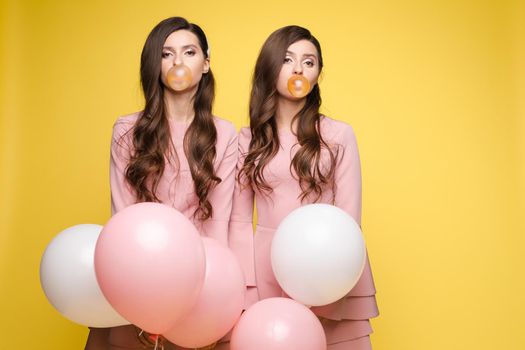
(175,189)
(346,322)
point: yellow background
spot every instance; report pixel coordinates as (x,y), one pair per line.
(434,89)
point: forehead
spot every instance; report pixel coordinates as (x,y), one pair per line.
(181,38)
(303,47)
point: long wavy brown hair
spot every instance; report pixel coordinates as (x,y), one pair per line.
(307,163)
(152,143)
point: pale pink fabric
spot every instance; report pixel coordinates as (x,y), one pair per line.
(253,250)
(176,185)
(361,343)
(176,189)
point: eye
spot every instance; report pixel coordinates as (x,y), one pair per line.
(166,54)
(309,63)
(190,52)
(287,60)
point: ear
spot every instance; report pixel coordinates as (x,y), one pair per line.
(206,66)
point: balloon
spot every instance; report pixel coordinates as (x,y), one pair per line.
(318,254)
(179,77)
(67,276)
(278,324)
(150,265)
(220,302)
(298,86)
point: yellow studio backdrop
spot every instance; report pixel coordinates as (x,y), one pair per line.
(435,91)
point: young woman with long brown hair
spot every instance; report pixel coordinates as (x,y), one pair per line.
(174,151)
(291,156)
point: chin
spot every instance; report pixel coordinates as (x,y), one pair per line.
(292,98)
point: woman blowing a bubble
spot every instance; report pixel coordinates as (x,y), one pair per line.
(174,151)
(291,156)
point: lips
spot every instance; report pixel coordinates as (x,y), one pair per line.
(298,86)
(179,77)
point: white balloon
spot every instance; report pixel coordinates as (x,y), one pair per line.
(318,254)
(67,276)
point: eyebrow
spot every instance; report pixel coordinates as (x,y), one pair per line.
(308,55)
(191,46)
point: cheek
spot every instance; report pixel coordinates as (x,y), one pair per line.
(164,68)
(313,77)
(196,68)
(282,80)
(196,74)
(163,74)
(282,84)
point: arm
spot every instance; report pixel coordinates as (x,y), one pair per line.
(241,222)
(347,177)
(121,197)
(221,195)
(348,197)
(121,193)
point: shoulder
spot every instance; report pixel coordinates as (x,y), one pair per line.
(226,133)
(337,131)
(245,136)
(224,127)
(125,123)
(122,140)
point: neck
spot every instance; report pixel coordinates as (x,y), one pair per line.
(286,110)
(179,105)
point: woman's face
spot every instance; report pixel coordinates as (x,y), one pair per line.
(302,59)
(182,48)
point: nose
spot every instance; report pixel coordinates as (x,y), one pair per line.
(298,68)
(177,60)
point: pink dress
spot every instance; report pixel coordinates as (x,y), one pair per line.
(175,189)
(346,322)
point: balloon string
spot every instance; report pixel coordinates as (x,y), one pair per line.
(160,342)
(157,345)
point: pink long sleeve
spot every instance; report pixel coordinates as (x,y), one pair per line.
(347,178)
(221,196)
(348,195)
(121,142)
(241,222)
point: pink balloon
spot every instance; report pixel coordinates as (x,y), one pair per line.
(220,302)
(150,264)
(278,324)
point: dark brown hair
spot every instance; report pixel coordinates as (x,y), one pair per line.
(151,135)
(264,144)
